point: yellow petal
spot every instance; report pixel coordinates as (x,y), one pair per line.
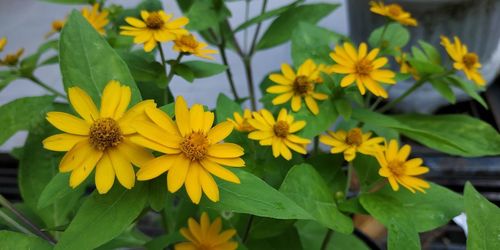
(231,162)
(208,121)
(295,147)
(297,126)
(296,103)
(135,22)
(312,105)
(268,116)
(104,175)
(196,117)
(145,142)
(162,120)
(209,187)
(182,116)
(134,114)
(285,152)
(84,168)
(134,153)
(111,96)
(403,153)
(225,150)
(154,133)
(156,167)
(192,184)
(62,142)
(298,139)
(73,158)
(124,102)
(219,171)
(287,71)
(83,104)
(68,123)
(280,99)
(276,147)
(220,132)
(280,79)
(177,173)
(123,169)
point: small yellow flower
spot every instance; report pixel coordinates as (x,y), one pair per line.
(102,139)
(362,67)
(206,235)
(405,67)
(279,133)
(154,27)
(12,59)
(97,19)
(3,42)
(57,26)
(394,12)
(352,142)
(241,122)
(193,150)
(395,166)
(188,44)
(298,86)
(466,61)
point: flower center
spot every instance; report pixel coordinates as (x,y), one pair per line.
(364,67)
(470,59)
(189,41)
(354,137)
(394,10)
(104,133)
(195,146)
(397,168)
(302,85)
(281,129)
(154,21)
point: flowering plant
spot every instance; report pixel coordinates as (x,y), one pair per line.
(117,148)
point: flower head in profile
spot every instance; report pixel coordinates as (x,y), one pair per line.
(297,86)
(278,133)
(405,67)
(363,68)
(394,12)
(189,45)
(193,150)
(12,59)
(351,142)
(155,27)
(395,166)
(206,235)
(3,42)
(100,139)
(57,26)
(98,19)
(464,60)
(241,122)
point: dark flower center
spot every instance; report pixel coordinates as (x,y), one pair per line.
(104,133)
(281,129)
(195,146)
(154,21)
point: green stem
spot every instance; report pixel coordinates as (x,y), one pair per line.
(247,61)
(316,146)
(245,32)
(14,223)
(392,103)
(45,86)
(326,240)
(257,30)
(222,50)
(247,229)
(348,181)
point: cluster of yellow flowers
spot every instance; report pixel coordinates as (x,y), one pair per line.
(10,59)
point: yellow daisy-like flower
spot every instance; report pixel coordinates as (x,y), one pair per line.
(405,67)
(241,122)
(394,12)
(12,59)
(351,142)
(466,61)
(206,235)
(193,150)
(395,166)
(362,67)
(278,133)
(154,27)
(188,44)
(3,42)
(298,86)
(96,18)
(102,139)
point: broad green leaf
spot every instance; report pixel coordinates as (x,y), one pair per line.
(266,15)
(206,14)
(367,171)
(402,235)
(344,107)
(162,242)
(329,166)
(203,69)
(183,71)
(225,108)
(14,241)
(6,80)
(317,124)
(131,238)
(308,189)
(281,28)
(425,67)
(289,240)
(263,228)
(87,60)
(103,217)
(157,195)
(29,63)
(444,89)
(468,88)
(395,36)
(418,54)
(312,235)
(56,189)
(254,196)
(312,42)
(143,69)
(23,114)
(431,52)
(483,218)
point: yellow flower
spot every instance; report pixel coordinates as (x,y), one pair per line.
(405,67)
(362,67)
(11,59)
(466,61)
(102,139)
(394,12)
(297,86)
(352,142)
(395,166)
(3,42)
(97,19)
(206,235)
(278,133)
(57,26)
(241,122)
(188,44)
(194,151)
(154,27)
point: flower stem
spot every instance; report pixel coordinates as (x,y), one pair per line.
(326,240)
(45,86)
(247,229)
(348,181)
(392,103)
(163,63)
(247,61)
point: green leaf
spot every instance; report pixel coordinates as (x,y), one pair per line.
(14,241)
(157,195)
(308,189)
(87,60)
(183,71)
(468,87)
(311,41)
(395,36)
(144,69)
(329,166)
(56,189)
(317,124)
(254,196)
(312,235)
(483,218)
(225,108)
(266,15)
(103,217)
(281,28)
(418,54)
(367,171)
(343,107)
(23,114)
(206,14)
(289,240)
(402,235)
(425,67)
(6,80)
(444,89)
(203,69)
(431,52)
(131,238)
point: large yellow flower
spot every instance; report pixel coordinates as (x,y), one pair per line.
(466,61)
(278,133)
(241,122)
(193,149)
(206,235)
(362,67)
(154,27)
(395,166)
(3,42)
(394,12)
(189,45)
(298,86)
(102,137)
(96,18)
(352,142)
(12,59)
